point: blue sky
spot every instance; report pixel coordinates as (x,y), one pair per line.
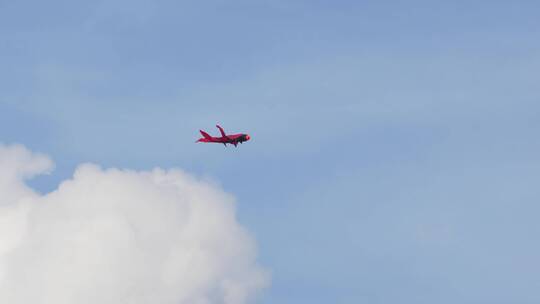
(394,153)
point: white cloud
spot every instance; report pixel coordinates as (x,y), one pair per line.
(119,236)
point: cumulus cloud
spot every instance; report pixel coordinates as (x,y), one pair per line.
(120,236)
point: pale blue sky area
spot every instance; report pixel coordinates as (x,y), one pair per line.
(394,154)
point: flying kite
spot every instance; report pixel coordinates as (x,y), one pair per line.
(224,139)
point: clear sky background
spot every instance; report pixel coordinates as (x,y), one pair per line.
(394,154)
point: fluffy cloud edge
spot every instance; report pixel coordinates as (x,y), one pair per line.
(160,235)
